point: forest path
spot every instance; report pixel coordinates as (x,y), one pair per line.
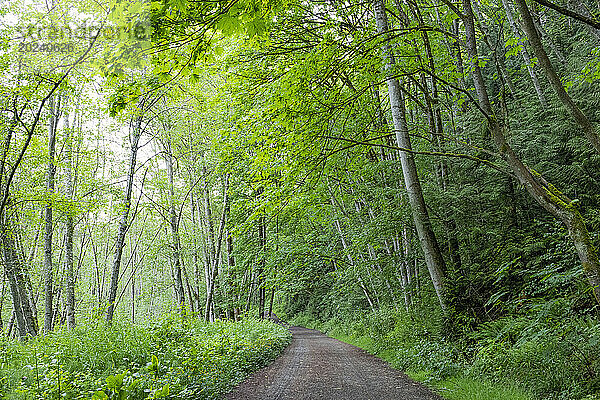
(315,366)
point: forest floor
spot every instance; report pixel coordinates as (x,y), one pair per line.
(315,366)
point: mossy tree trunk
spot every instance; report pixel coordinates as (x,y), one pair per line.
(546,194)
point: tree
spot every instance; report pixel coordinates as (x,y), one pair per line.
(136,129)
(433,256)
(48,267)
(546,194)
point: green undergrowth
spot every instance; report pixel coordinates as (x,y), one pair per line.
(170,359)
(546,353)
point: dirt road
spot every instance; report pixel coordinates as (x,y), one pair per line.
(315,366)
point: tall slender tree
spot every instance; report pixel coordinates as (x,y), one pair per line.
(431,249)
(69,223)
(53,106)
(135,132)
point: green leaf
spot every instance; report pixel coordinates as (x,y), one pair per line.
(179,4)
(164,391)
(194,78)
(100,395)
(115,382)
(228,24)
(111,382)
(256,27)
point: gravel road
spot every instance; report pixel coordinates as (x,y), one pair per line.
(317,367)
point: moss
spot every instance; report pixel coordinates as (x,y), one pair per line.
(578,225)
(555,195)
(578,231)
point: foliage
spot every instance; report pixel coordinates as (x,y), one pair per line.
(171,359)
(520,349)
(285,180)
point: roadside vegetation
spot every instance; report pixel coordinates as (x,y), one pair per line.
(170,359)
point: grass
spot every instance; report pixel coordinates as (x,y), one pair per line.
(462,388)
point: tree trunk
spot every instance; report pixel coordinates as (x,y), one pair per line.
(433,257)
(271,303)
(458,54)
(197,271)
(124,224)
(532,35)
(11,324)
(16,275)
(69,229)
(210,249)
(192,296)
(262,242)
(547,195)
(174,223)
(133,299)
(48,267)
(231,285)
(215,264)
(56,316)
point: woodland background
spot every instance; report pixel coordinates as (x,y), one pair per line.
(418,177)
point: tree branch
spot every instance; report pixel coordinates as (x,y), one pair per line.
(572,14)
